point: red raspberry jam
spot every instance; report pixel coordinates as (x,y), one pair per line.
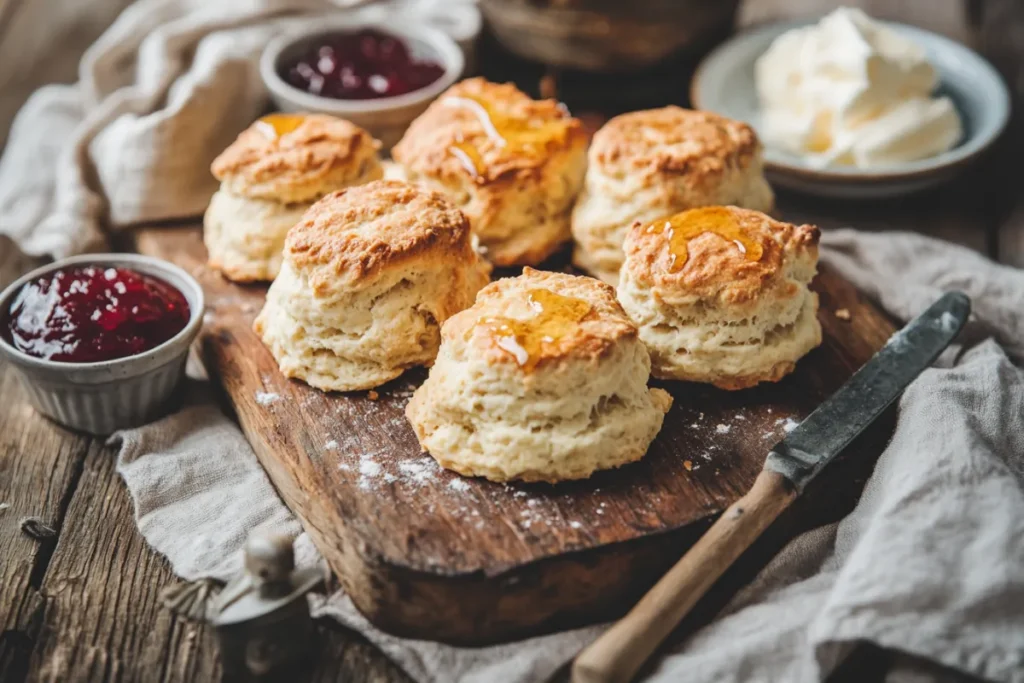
(360,66)
(91,313)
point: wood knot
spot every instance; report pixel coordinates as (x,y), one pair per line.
(36,529)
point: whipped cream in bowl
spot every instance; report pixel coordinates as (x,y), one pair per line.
(847,106)
(850,91)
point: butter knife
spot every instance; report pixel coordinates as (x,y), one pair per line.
(616,656)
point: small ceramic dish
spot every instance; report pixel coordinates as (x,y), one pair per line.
(386,118)
(724,83)
(100,398)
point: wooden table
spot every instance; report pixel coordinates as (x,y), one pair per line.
(83,605)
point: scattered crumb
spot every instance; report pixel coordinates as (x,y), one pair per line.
(789,425)
(458,485)
(331,445)
(345,467)
(843,314)
(694,425)
(741,417)
(372,395)
(208,318)
(247,307)
(575,525)
(723,429)
(265,398)
(688,465)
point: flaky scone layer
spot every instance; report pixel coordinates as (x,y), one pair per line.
(577,405)
(293,158)
(368,277)
(649,164)
(514,165)
(724,317)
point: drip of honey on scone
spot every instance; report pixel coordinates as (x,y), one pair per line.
(513,134)
(276,125)
(683,227)
(554,318)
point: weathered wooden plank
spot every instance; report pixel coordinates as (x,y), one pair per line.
(472,561)
(39,467)
(101,618)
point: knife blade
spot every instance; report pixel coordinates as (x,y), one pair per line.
(873,388)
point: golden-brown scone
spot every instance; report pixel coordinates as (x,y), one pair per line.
(648,164)
(543,379)
(369,275)
(270,176)
(514,166)
(720,295)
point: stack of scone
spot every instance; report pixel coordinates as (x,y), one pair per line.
(650,164)
(369,275)
(270,176)
(721,295)
(543,379)
(512,164)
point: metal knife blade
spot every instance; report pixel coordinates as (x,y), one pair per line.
(849,411)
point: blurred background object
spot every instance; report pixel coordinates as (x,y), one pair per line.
(607,35)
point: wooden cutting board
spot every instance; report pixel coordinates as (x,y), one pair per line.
(426,553)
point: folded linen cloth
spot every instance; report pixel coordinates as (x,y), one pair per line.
(164,90)
(930,563)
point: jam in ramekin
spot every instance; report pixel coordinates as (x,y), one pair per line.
(366,65)
(87,314)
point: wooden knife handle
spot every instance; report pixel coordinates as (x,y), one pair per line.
(616,656)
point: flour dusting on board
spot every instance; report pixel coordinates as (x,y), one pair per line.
(266,398)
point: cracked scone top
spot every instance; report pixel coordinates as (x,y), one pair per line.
(369,275)
(543,379)
(290,158)
(720,294)
(270,175)
(514,165)
(648,164)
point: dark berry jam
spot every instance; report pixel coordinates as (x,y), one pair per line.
(91,313)
(360,66)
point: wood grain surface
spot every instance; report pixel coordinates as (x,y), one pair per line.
(426,553)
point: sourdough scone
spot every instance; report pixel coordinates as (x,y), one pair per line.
(543,379)
(270,176)
(369,275)
(514,166)
(720,295)
(650,164)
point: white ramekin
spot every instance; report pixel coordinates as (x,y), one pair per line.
(385,118)
(100,398)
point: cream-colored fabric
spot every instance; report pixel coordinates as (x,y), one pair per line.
(162,92)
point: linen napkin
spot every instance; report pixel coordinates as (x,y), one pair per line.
(164,90)
(930,563)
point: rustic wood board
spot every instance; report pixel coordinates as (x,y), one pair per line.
(426,553)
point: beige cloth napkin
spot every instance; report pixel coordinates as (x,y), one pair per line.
(931,562)
(165,89)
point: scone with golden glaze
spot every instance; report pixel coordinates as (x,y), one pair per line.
(720,295)
(649,164)
(543,379)
(369,275)
(514,166)
(270,176)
